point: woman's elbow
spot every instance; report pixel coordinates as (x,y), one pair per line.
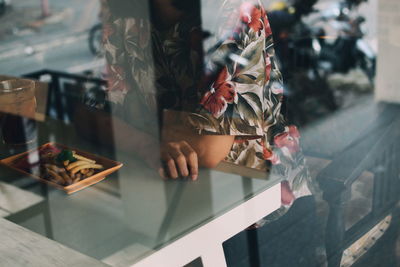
(211,161)
(215,150)
(209,164)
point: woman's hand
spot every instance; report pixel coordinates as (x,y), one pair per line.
(183,150)
(180,160)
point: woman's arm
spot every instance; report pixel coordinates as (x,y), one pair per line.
(184,151)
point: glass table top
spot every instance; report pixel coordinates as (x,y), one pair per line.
(131,210)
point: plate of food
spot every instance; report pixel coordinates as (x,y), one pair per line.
(65,168)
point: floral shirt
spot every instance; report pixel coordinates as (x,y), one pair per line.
(233,88)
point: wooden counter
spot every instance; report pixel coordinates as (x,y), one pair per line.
(21,247)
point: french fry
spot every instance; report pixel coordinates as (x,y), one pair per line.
(66,172)
(56,178)
(61,173)
(77,179)
(75,164)
(90,173)
(53,167)
(66,177)
(86,166)
(79,157)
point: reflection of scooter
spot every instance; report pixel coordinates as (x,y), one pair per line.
(296,45)
(95,40)
(350,49)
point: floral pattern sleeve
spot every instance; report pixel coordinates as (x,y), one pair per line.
(244,97)
(233,88)
(129,67)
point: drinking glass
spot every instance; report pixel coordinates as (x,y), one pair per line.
(17,111)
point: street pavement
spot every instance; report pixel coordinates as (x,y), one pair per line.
(59,42)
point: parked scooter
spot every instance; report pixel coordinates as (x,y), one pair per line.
(349,49)
(297,48)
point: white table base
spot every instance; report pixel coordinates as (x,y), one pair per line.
(206,241)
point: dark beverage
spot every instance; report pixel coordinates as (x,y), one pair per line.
(17,108)
(17,130)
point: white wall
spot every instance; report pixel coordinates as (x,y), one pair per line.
(388,74)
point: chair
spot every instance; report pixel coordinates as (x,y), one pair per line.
(372,159)
(65,90)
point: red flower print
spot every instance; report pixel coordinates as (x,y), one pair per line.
(241,141)
(255,17)
(222,93)
(214,103)
(287,196)
(271,156)
(268,154)
(251,15)
(116,78)
(288,140)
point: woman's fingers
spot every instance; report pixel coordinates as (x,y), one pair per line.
(169,165)
(180,160)
(179,157)
(191,159)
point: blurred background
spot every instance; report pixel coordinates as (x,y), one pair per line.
(327,49)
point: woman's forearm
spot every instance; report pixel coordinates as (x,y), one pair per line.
(210,149)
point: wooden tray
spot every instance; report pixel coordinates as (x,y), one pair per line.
(110,166)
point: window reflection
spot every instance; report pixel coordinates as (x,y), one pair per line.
(205,103)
